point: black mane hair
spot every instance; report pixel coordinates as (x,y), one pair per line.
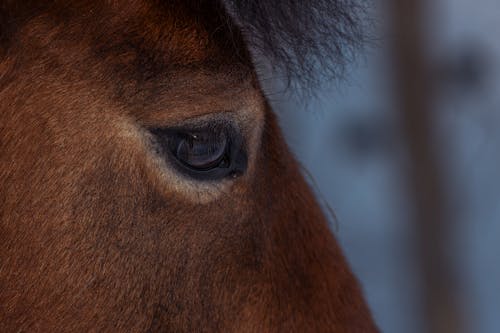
(305,41)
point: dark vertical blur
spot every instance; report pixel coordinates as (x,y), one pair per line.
(415,93)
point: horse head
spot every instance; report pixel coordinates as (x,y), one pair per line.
(145,184)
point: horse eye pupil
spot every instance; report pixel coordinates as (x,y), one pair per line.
(202,151)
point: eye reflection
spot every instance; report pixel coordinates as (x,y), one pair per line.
(210,152)
(203,150)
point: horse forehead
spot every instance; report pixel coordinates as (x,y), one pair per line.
(143,52)
(180,32)
(131,46)
(174,41)
(169,28)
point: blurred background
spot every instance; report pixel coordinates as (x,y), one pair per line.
(406,152)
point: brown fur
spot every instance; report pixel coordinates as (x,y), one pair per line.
(96,235)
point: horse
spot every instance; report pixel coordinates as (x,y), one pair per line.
(145,185)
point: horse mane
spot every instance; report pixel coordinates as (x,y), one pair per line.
(304,41)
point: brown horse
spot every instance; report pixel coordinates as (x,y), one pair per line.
(144,182)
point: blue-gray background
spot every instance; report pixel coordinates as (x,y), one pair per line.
(348,139)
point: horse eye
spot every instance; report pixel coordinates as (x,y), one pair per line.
(207,153)
(202,151)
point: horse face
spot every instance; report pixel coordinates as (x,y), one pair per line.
(145,185)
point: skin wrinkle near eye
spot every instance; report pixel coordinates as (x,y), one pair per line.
(248,121)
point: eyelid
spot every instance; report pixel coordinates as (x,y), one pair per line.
(246,117)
